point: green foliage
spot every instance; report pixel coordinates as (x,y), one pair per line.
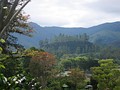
(75,80)
(13,66)
(2,40)
(107,74)
(13,75)
(117,88)
(54,85)
(2,66)
(84,63)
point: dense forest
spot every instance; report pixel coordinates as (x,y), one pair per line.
(65,44)
(64,62)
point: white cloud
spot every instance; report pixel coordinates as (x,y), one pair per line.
(73,13)
(108,6)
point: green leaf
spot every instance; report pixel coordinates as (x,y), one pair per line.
(2,66)
(1,49)
(2,40)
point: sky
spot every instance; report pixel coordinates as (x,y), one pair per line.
(73,13)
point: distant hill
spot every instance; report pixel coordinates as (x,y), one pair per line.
(103,34)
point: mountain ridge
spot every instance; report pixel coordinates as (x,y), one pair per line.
(109,32)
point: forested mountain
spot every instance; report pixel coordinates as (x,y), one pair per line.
(107,33)
(66,44)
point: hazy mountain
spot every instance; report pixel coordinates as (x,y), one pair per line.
(106,33)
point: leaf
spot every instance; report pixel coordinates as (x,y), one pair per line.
(2,40)
(1,49)
(2,66)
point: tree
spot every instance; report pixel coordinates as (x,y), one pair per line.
(76,78)
(107,75)
(13,75)
(12,20)
(41,65)
(13,8)
(82,62)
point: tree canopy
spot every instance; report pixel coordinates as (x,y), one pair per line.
(107,75)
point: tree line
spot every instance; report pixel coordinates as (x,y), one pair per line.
(65,44)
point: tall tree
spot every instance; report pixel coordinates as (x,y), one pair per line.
(40,65)
(9,9)
(76,78)
(12,20)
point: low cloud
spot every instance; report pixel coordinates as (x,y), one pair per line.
(107,6)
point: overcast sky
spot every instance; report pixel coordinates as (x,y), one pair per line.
(73,13)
